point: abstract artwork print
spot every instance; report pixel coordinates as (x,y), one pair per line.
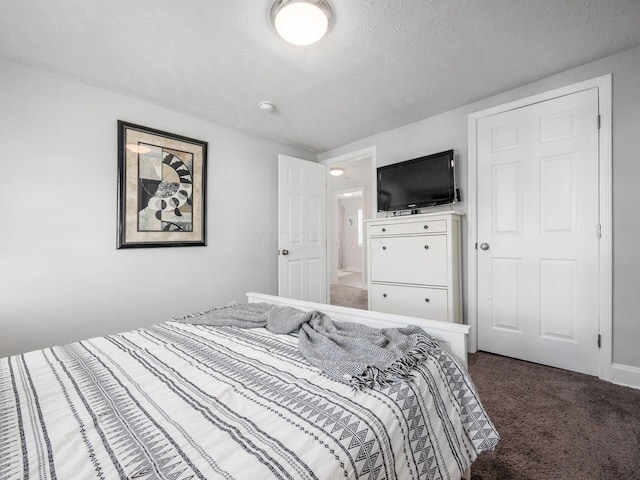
(161,188)
(165,192)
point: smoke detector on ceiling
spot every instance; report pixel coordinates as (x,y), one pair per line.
(266,107)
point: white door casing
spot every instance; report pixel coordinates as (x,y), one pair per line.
(538,216)
(302,207)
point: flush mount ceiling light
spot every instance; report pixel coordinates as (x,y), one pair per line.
(301,22)
(336,172)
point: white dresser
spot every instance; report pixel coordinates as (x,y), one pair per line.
(414,265)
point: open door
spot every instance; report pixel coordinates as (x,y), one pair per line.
(302,244)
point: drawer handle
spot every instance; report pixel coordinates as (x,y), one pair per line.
(384,295)
(426,227)
(384,229)
(427,300)
(426,247)
(384,247)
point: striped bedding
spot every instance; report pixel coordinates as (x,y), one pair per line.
(179,401)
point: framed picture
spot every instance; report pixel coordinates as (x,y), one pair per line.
(161,188)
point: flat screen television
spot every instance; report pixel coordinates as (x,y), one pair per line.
(422,182)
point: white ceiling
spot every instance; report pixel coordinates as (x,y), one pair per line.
(384,64)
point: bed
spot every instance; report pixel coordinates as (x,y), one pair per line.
(181,401)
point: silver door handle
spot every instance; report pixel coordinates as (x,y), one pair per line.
(285,252)
(484,246)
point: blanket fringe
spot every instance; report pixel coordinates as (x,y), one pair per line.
(400,369)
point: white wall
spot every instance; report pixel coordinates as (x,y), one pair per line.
(62,278)
(449,130)
(353,254)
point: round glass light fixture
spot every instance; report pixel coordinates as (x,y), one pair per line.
(336,172)
(301,22)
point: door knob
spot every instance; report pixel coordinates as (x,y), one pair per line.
(484,246)
(285,252)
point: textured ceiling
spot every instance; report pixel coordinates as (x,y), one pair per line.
(384,64)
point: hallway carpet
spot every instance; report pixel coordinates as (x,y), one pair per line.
(555,424)
(345,296)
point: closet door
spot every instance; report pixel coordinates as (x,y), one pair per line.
(538,187)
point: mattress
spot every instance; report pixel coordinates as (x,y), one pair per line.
(179,401)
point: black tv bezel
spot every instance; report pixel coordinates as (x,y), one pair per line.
(430,203)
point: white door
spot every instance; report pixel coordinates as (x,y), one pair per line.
(538,227)
(302,212)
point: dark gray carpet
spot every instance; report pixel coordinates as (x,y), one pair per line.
(555,424)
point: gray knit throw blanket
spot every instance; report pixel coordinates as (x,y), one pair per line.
(352,353)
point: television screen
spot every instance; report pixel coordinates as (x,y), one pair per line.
(421,182)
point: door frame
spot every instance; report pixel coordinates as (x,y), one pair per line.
(368,152)
(605,248)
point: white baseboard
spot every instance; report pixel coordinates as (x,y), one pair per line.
(353,269)
(625,375)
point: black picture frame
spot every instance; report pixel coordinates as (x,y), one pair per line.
(162,193)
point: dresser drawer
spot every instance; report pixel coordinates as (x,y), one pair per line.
(412,301)
(409,228)
(420,260)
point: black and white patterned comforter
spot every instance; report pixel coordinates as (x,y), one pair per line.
(178,401)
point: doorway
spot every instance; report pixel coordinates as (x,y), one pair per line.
(351,201)
(348,287)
